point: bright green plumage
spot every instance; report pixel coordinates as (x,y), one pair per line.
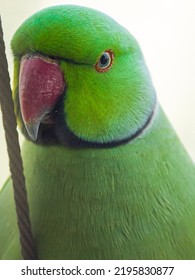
(133,200)
(98,106)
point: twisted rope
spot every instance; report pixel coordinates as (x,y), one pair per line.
(15,160)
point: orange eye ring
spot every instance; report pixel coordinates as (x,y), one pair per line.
(105,61)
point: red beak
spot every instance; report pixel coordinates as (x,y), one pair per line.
(41,83)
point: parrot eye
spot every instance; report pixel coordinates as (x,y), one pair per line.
(105,61)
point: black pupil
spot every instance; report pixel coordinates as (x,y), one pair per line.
(104,59)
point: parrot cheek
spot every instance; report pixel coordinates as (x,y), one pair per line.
(41,84)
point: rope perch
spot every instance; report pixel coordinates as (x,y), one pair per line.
(15,160)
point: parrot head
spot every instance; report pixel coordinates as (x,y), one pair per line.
(79,79)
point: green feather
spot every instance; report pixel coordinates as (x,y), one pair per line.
(132,201)
(99,107)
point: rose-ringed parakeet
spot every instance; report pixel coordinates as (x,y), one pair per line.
(107,177)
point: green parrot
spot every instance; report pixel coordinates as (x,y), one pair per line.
(107,176)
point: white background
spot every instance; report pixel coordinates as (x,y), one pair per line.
(166,32)
(13,269)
